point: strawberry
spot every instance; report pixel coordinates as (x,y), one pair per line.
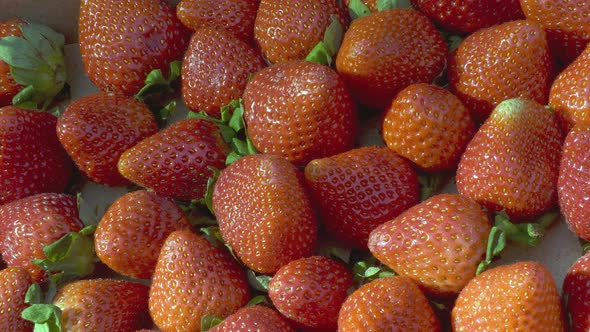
(235,16)
(429,126)
(215,69)
(378,52)
(512,162)
(501,62)
(310,291)
(254,318)
(573,185)
(31,158)
(471,15)
(301,110)
(386,304)
(567,23)
(96,129)
(8,87)
(576,291)
(437,243)
(517,297)
(264,212)
(121,41)
(175,161)
(193,279)
(357,190)
(570,93)
(290,30)
(14,282)
(139,219)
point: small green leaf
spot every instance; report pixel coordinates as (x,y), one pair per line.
(387,4)
(47,317)
(258,282)
(342,254)
(325,51)
(156,83)
(34,294)
(236,121)
(320,54)
(209,321)
(585,245)
(496,243)
(372,271)
(166,112)
(256,300)
(232,157)
(207,199)
(358,9)
(19,53)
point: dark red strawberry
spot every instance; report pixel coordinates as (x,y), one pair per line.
(576,291)
(14,282)
(8,87)
(258,318)
(121,41)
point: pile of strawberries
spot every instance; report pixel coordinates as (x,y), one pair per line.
(262,210)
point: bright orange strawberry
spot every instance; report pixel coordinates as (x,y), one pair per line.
(14,282)
(254,318)
(576,291)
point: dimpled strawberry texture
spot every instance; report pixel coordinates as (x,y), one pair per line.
(8,87)
(254,318)
(14,283)
(576,289)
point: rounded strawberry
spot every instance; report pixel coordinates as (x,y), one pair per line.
(254,318)
(301,110)
(193,279)
(429,126)
(14,282)
(264,212)
(392,303)
(377,58)
(8,86)
(517,297)
(96,129)
(215,70)
(357,190)
(576,291)
(501,62)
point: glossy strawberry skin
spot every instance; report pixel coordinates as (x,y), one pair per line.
(140,219)
(31,158)
(8,87)
(357,190)
(215,70)
(174,162)
(14,282)
(512,162)
(254,318)
(193,279)
(122,41)
(96,129)
(527,67)
(378,52)
(576,289)
(264,212)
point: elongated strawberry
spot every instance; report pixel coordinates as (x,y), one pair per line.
(264,212)
(512,162)
(517,297)
(576,291)
(193,279)
(121,41)
(255,317)
(301,110)
(14,282)
(501,62)
(358,190)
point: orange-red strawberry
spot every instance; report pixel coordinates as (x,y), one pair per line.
(215,70)
(429,126)
(96,129)
(175,161)
(14,282)
(357,190)
(122,41)
(254,318)
(310,291)
(576,291)
(438,243)
(31,158)
(392,303)
(512,162)
(517,297)
(500,62)
(194,279)
(8,87)
(264,212)
(378,55)
(140,219)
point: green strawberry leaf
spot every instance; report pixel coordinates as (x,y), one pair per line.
(325,51)
(452,40)
(166,112)
(46,317)
(258,281)
(157,84)
(256,300)
(34,294)
(209,321)
(368,270)
(207,199)
(387,4)
(496,243)
(357,9)
(585,245)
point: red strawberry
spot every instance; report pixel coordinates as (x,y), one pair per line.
(31,158)
(175,161)
(289,30)
(301,110)
(140,219)
(501,62)
(264,212)
(14,282)
(378,55)
(121,41)
(235,16)
(254,318)
(518,297)
(193,279)
(215,70)
(96,129)
(576,291)
(103,305)
(310,291)
(512,162)
(358,190)
(429,126)
(567,23)
(392,303)
(8,87)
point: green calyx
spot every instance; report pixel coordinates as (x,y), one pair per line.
(357,9)
(325,51)
(37,62)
